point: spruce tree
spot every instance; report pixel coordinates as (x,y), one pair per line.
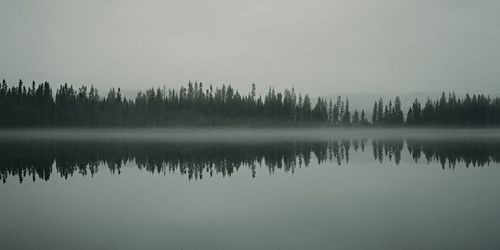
(375,114)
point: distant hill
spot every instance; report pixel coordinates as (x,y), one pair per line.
(130,93)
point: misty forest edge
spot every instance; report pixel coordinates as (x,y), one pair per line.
(192,105)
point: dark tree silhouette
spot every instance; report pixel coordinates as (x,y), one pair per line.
(41,159)
(36,106)
(479,110)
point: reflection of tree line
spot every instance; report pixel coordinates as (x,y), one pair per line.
(39,159)
(389,149)
(447,153)
(451,153)
(195,160)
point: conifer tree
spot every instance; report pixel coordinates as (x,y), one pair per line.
(375,119)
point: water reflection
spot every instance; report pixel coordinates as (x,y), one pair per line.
(39,159)
(451,153)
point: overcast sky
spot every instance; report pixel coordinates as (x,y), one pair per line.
(320,47)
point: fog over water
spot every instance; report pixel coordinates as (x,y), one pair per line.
(246,134)
(350,184)
(231,188)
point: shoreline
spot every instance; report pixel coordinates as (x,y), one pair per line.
(235,134)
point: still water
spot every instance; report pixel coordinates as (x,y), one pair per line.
(237,190)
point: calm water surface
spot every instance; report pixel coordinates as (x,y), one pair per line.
(269,190)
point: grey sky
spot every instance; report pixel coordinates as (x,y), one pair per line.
(320,47)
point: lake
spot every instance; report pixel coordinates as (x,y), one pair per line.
(250,189)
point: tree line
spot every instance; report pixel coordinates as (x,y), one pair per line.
(37,106)
(478,110)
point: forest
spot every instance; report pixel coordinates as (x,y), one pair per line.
(37,105)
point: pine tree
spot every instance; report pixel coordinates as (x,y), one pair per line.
(398,112)
(355,118)
(336,111)
(363,119)
(375,119)
(380,112)
(306,109)
(346,121)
